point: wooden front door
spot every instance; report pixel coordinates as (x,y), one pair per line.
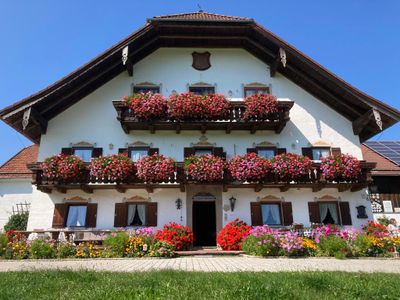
(204,223)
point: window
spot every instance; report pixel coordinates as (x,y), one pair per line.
(203,151)
(76,216)
(271,214)
(202,90)
(137,215)
(318,153)
(328,213)
(250,91)
(266,152)
(138,152)
(146,89)
(84,153)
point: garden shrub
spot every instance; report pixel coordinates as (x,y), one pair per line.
(333,245)
(262,241)
(362,245)
(180,236)
(66,249)
(232,235)
(383,221)
(17,222)
(116,243)
(3,244)
(162,249)
(43,248)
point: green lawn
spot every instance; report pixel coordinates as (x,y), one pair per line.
(180,285)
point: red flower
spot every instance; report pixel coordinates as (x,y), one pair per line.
(249,167)
(63,167)
(147,106)
(233,234)
(155,168)
(260,106)
(205,168)
(180,236)
(341,168)
(113,168)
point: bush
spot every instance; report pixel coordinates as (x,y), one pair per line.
(291,244)
(232,235)
(43,248)
(362,246)
(180,236)
(162,249)
(375,229)
(17,222)
(383,221)
(333,245)
(3,244)
(262,241)
(116,243)
(66,250)
(136,247)
(87,250)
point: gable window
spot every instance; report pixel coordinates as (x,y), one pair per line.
(84,153)
(136,215)
(320,152)
(146,89)
(76,216)
(250,91)
(202,90)
(271,214)
(135,153)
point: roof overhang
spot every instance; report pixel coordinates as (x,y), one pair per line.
(350,102)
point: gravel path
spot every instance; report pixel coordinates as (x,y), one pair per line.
(209,264)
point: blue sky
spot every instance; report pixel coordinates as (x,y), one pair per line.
(42,41)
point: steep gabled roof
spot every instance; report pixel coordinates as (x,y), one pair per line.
(15,167)
(200,29)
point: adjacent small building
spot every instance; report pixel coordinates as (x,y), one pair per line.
(384,193)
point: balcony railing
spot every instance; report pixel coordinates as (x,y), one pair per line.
(313,180)
(275,121)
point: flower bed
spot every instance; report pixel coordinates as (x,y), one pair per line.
(291,166)
(341,168)
(249,167)
(147,106)
(189,106)
(113,168)
(260,106)
(155,168)
(205,168)
(62,167)
(232,235)
(180,236)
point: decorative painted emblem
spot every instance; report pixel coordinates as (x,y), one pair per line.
(201,61)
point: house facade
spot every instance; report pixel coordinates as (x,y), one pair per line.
(202,53)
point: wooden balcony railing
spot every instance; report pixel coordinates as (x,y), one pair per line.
(88,183)
(275,121)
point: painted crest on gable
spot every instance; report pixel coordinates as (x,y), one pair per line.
(201,61)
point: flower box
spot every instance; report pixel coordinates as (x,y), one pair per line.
(155,168)
(249,167)
(341,168)
(260,106)
(113,168)
(147,106)
(205,168)
(291,167)
(62,167)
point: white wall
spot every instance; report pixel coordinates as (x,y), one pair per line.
(93,119)
(13,192)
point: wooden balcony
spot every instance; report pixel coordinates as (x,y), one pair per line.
(88,183)
(276,121)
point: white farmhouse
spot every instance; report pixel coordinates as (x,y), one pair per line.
(202,53)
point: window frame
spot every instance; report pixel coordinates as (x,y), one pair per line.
(280,213)
(275,149)
(211,149)
(67,214)
(83,148)
(338,212)
(146,87)
(202,87)
(130,149)
(255,88)
(127,213)
(321,148)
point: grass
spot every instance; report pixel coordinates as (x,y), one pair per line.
(182,285)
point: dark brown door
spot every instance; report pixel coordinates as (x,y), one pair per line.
(204,223)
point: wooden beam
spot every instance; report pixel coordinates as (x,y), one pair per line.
(149,189)
(86,189)
(120,189)
(39,120)
(360,123)
(61,190)
(285,188)
(258,188)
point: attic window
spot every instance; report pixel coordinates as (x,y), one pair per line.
(253,90)
(154,89)
(202,90)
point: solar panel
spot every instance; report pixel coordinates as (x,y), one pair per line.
(388,149)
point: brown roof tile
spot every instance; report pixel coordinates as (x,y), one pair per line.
(384,166)
(201,16)
(15,167)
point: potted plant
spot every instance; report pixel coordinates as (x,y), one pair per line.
(155,168)
(289,167)
(147,106)
(260,106)
(249,167)
(205,168)
(63,167)
(112,168)
(342,167)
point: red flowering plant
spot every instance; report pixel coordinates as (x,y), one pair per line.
(205,168)
(189,106)
(375,229)
(180,236)
(147,106)
(155,168)
(291,166)
(233,234)
(341,168)
(63,167)
(249,167)
(113,168)
(259,106)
